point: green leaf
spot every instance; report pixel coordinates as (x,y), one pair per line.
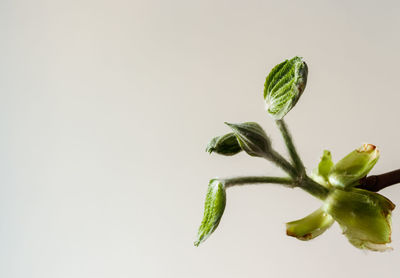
(310,226)
(353,167)
(252,138)
(224,145)
(365,217)
(213,210)
(320,174)
(325,165)
(284,86)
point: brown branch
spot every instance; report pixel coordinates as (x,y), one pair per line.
(378,182)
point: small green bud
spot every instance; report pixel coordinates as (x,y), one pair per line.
(310,226)
(353,167)
(224,145)
(284,86)
(365,217)
(213,210)
(252,138)
(320,174)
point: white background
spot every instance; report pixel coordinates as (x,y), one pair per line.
(106,108)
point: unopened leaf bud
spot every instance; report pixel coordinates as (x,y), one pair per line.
(321,173)
(224,145)
(252,138)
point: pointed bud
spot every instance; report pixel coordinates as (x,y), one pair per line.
(320,174)
(353,167)
(224,145)
(213,210)
(284,86)
(365,217)
(310,226)
(252,138)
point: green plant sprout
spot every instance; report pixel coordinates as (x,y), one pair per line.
(348,196)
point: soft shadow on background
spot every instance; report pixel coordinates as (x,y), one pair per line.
(106,108)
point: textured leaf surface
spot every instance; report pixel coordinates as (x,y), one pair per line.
(365,217)
(213,210)
(284,86)
(353,167)
(252,138)
(310,226)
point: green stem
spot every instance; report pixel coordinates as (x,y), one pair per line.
(280,161)
(314,188)
(290,146)
(304,181)
(258,179)
(306,184)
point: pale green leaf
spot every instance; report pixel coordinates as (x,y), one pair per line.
(353,167)
(310,226)
(320,174)
(365,217)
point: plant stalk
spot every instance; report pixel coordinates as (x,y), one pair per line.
(378,182)
(314,188)
(290,146)
(281,162)
(288,182)
(306,184)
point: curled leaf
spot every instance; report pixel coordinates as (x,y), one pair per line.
(213,210)
(310,226)
(353,167)
(284,86)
